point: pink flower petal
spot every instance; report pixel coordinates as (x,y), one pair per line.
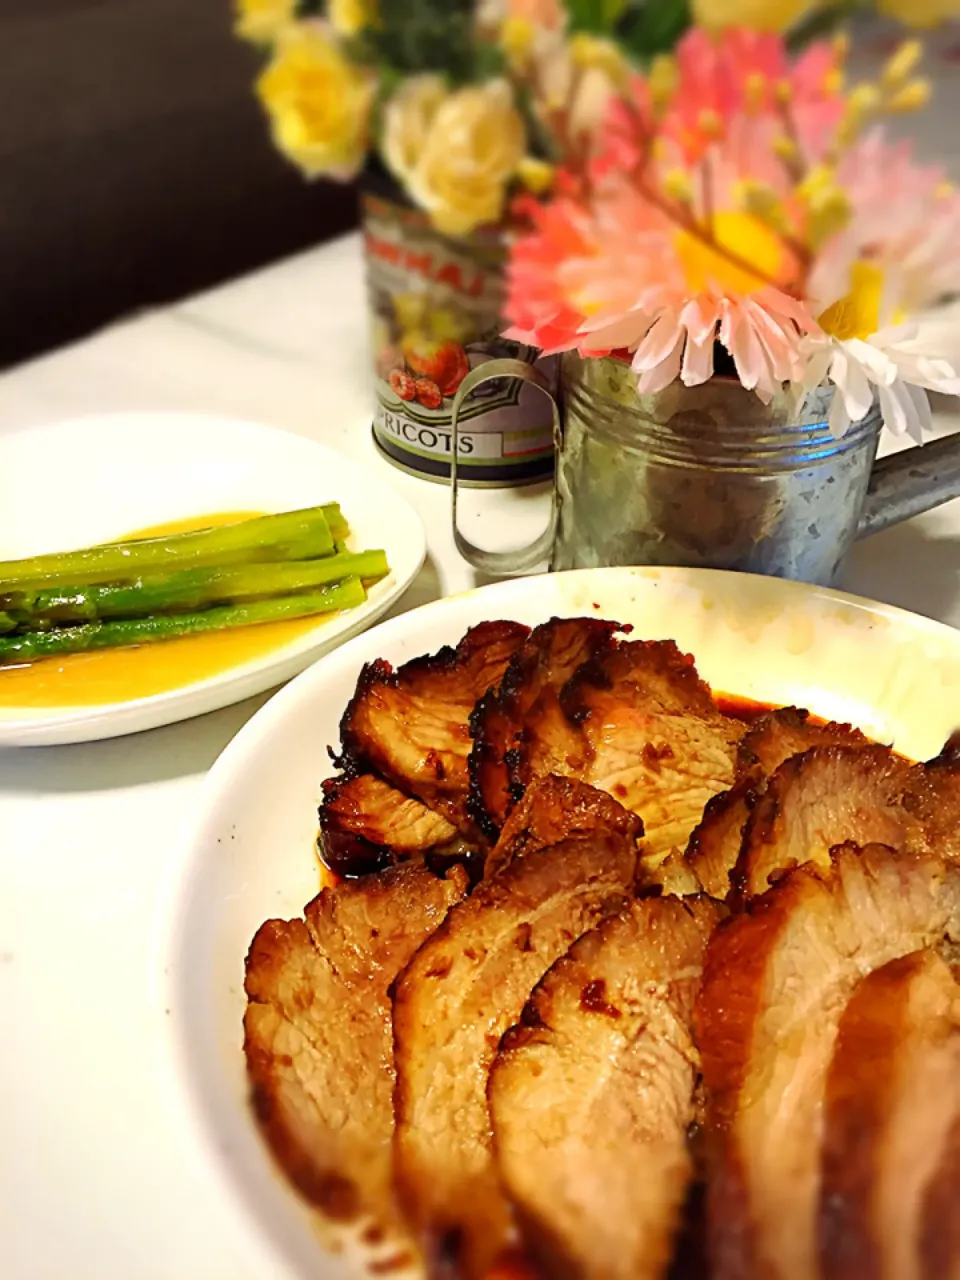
(660,341)
(663,374)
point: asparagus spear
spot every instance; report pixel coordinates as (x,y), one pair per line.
(7,623)
(295,535)
(188,590)
(106,635)
(336,520)
(334,517)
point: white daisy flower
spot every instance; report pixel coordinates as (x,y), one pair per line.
(892,366)
(870,359)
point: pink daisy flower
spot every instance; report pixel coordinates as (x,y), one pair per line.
(635,281)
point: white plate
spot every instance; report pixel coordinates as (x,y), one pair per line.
(73,484)
(895,675)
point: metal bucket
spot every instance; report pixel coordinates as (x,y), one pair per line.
(710,477)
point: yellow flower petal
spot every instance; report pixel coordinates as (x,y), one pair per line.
(663,79)
(319,103)
(920,13)
(261,21)
(912,97)
(475,144)
(350,17)
(762,15)
(517,36)
(902,64)
(595,53)
(536,175)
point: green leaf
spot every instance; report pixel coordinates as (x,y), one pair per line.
(654,27)
(595,15)
(427,35)
(489,61)
(822,22)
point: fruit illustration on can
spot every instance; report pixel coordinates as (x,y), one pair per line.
(429,394)
(403,385)
(444,363)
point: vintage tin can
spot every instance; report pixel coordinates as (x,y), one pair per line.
(435,306)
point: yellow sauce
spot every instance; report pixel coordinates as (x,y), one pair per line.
(120,675)
(191,524)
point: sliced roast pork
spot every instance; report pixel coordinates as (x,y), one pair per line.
(715,844)
(411,726)
(823,798)
(776,982)
(528,697)
(592,1095)
(366,825)
(654,738)
(465,986)
(892,1100)
(556,809)
(934,800)
(319,1038)
(790,731)
(940,1223)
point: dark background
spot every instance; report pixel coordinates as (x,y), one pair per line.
(134,165)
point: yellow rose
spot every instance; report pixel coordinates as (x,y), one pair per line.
(319,103)
(762,15)
(475,144)
(350,17)
(407,121)
(262,20)
(920,13)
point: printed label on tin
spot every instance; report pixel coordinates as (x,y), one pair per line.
(436,308)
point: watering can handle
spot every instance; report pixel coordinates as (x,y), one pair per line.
(525,558)
(907,484)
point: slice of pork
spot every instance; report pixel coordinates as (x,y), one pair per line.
(592,1095)
(459,994)
(652,737)
(823,798)
(715,844)
(892,1100)
(366,825)
(319,1037)
(776,982)
(554,810)
(412,726)
(528,696)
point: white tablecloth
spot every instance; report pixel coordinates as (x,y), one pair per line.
(99,1176)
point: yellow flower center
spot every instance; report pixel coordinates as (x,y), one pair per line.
(740,234)
(858,314)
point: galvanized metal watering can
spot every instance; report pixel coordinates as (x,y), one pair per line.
(710,477)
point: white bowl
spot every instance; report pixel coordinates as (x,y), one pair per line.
(895,675)
(74,484)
